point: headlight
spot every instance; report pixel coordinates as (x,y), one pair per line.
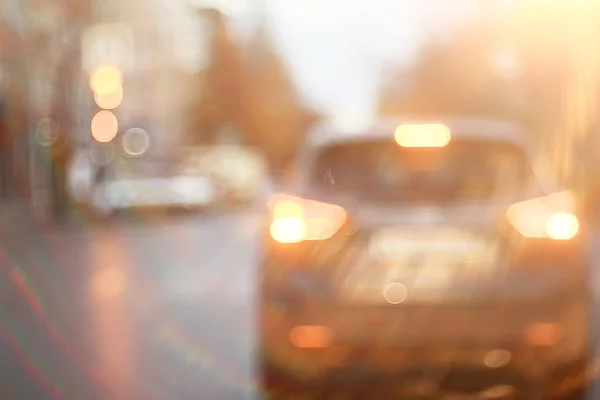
(546,217)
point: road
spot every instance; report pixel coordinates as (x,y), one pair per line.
(134,310)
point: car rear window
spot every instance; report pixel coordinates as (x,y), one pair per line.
(382,171)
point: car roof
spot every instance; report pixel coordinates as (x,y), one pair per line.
(479,129)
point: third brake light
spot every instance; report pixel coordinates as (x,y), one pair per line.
(295,220)
(423,135)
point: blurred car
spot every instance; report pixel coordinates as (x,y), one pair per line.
(423,261)
(239,172)
(152,183)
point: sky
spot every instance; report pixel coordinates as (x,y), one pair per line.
(335,48)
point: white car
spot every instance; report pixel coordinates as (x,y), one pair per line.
(151,183)
(241,171)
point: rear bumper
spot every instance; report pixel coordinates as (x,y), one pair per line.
(452,349)
(454,382)
(549,285)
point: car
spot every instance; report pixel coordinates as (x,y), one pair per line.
(155,183)
(240,171)
(424,259)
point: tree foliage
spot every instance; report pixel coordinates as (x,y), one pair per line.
(250,88)
(453,75)
(274,116)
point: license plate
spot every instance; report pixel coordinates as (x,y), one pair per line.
(424,264)
(399,244)
(394,283)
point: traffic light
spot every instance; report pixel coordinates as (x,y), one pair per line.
(106,81)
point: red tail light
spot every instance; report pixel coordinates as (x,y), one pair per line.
(294,220)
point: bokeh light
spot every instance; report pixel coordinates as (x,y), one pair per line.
(287,208)
(106,79)
(395,293)
(498,392)
(46,132)
(543,334)
(104,126)
(497,358)
(109,283)
(135,142)
(288,230)
(289,225)
(311,336)
(109,101)
(562,226)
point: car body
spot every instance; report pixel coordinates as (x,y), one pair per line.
(240,172)
(450,271)
(151,183)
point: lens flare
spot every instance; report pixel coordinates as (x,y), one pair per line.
(109,283)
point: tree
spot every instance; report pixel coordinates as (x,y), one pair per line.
(249,88)
(275,119)
(227,72)
(14,94)
(453,75)
(220,88)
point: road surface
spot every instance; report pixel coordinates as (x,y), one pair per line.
(135,310)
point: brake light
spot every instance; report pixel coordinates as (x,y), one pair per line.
(423,135)
(546,217)
(562,226)
(311,336)
(295,220)
(543,334)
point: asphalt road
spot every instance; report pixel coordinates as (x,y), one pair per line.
(134,310)
(138,309)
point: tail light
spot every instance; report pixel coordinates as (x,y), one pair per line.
(294,220)
(546,217)
(311,336)
(543,334)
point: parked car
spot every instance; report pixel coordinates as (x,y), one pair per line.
(240,172)
(152,183)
